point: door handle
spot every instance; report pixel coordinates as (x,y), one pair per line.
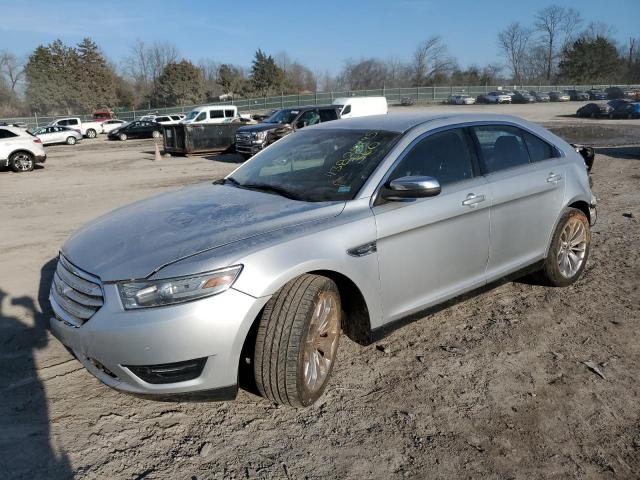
(554,178)
(472,200)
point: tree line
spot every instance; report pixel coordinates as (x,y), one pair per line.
(555,46)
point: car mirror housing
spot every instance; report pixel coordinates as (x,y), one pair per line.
(411,187)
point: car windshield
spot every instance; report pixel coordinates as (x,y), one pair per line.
(285,115)
(192,114)
(316,165)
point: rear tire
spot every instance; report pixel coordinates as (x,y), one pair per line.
(71,140)
(21,162)
(91,133)
(297,341)
(569,249)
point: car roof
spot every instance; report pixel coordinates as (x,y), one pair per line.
(402,122)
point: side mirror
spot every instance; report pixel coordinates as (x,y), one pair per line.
(411,187)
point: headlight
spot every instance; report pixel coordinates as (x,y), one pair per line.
(156,293)
(260,135)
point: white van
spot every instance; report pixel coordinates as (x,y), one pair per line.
(361,106)
(211,114)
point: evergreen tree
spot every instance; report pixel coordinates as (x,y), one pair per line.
(266,76)
(180,84)
(591,61)
(97,82)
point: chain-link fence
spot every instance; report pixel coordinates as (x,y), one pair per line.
(394,96)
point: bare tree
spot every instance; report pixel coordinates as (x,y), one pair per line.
(557,27)
(514,43)
(145,63)
(598,29)
(430,59)
(11,68)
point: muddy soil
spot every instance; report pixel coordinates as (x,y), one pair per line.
(495,387)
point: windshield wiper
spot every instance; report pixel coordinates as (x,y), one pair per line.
(222,181)
(264,187)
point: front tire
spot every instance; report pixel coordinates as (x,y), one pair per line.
(297,341)
(91,133)
(71,140)
(122,136)
(156,134)
(21,162)
(569,249)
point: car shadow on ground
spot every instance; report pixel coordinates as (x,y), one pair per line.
(25,438)
(226,157)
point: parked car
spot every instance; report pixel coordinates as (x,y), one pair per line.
(460,100)
(577,95)
(19,149)
(112,124)
(594,110)
(212,114)
(614,93)
(87,129)
(250,139)
(559,97)
(169,119)
(540,96)
(407,101)
(350,107)
(597,94)
(357,226)
(521,96)
(102,115)
(616,103)
(51,135)
(626,110)
(495,97)
(137,129)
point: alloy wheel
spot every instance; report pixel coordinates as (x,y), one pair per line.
(321,343)
(23,162)
(573,246)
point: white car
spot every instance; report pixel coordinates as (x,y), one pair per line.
(87,129)
(461,100)
(112,124)
(498,97)
(20,150)
(172,119)
(51,135)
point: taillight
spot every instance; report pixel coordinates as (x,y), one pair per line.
(37,140)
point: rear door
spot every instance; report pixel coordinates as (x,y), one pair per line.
(526,181)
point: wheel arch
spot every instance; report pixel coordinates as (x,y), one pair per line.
(578,203)
(21,150)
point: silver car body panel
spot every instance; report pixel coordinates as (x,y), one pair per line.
(428,251)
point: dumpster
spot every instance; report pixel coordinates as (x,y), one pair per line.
(189,139)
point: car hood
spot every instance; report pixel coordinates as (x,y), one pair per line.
(136,240)
(261,127)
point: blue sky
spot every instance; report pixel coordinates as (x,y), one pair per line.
(320,34)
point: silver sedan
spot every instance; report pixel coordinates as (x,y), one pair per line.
(353,226)
(56,134)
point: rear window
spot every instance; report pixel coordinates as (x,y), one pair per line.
(6,133)
(328,114)
(539,149)
(216,114)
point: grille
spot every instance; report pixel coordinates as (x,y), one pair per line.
(243,137)
(75,295)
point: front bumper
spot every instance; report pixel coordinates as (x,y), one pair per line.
(249,148)
(114,339)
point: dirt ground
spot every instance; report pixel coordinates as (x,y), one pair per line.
(496,387)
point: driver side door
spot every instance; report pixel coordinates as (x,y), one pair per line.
(432,249)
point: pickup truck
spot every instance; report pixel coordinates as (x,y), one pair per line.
(87,129)
(250,139)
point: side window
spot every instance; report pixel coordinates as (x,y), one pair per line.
(229,113)
(328,114)
(63,122)
(539,150)
(6,134)
(446,156)
(201,117)
(501,147)
(216,114)
(346,110)
(308,118)
(72,122)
